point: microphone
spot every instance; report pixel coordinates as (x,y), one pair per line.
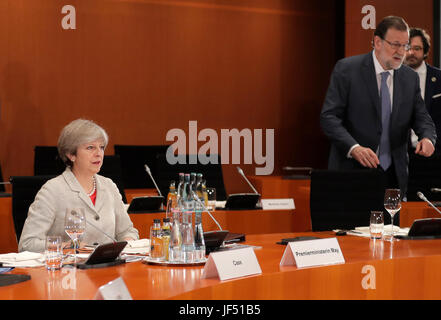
(101,231)
(243,175)
(243,200)
(150,174)
(195,196)
(422,197)
(435,189)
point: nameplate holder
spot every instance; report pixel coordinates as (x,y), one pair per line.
(312,253)
(278,204)
(113,290)
(231,264)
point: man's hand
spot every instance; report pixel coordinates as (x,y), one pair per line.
(365,156)
(424,147)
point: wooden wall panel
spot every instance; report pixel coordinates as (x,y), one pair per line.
(415,13)
(140,68)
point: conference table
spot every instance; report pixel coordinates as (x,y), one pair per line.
(405,269)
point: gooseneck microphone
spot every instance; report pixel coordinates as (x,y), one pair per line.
(101,231)
(435,189)
(422,197)
(150,174)
(205,209)
(243,175)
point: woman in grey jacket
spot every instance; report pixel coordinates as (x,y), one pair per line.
(81,146)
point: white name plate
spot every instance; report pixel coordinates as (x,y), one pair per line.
(278,204)
(312,253)
(231,264)
(113,290)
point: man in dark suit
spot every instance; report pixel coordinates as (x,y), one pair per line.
(372,103)
(430,79)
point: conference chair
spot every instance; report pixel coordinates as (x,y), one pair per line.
(424,176)
(48,162)
(344,199)
(133,159)
(212,173)
(24,189)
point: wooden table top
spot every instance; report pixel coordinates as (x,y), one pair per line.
(402,270)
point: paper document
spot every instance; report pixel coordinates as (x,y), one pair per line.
(387,231)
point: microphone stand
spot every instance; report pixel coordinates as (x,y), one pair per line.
(205,209)
(150,174)
(157,189)
(249,183)
(111,238)
(422,197)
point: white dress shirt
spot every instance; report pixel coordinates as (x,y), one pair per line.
(390,84)
(422,73)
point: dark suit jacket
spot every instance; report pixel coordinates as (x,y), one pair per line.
(432,98)
(351,113)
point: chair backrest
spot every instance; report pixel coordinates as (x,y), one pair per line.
(133,159)
(111,169)
(48,162)
(424,174)
(212,173)
(24,190)
(344,199)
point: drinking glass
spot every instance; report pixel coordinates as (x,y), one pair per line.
(74,226)
(376,224)
(392,203)
(53,253)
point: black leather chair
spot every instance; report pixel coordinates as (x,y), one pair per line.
(344,199)
(111,169)
(133,158)
(424,175)
(48,162)
(24,189)
(212,173)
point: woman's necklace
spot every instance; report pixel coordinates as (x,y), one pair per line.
(94,188)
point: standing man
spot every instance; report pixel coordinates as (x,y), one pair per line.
(372,103)
(430,80)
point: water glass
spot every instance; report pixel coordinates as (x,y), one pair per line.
(376,225)
(211,199)
(53,253)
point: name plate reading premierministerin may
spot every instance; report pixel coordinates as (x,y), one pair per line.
(231,264)
(310,253)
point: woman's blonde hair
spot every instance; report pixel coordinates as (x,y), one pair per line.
(76,133)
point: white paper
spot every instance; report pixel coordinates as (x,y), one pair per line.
(114,290)
(311,253)
(278,204)
(231,264)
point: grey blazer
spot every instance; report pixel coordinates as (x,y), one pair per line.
(351,114)
(46,213)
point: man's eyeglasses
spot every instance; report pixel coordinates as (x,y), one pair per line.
(416,48)
(397,46)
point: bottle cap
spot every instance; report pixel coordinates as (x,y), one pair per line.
(156,220)
(166,220)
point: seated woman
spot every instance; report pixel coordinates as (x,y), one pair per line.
(81,146)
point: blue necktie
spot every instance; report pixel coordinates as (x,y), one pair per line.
(385,157)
